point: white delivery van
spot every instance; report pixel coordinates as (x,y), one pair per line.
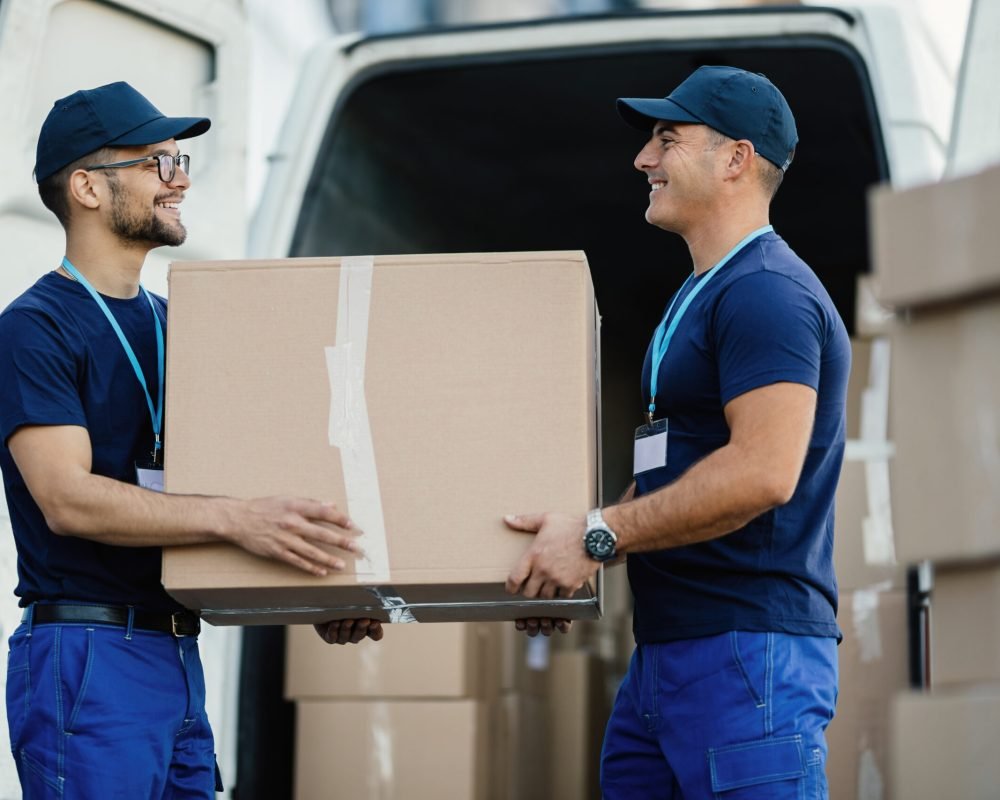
(501,137)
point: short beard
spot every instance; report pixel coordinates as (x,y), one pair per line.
(135,226)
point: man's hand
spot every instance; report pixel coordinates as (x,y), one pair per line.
(556,564)
(291,529)
(543,625)
(344,631)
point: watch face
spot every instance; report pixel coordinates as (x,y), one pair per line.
(600,544)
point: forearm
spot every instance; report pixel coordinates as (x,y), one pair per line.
(112,512)
(718,495)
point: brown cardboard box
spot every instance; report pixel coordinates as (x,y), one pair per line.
(937,242)
(965,625)
(521,763)
(944,745)
(524,662)
(391,750)
(427,395)
(946,423)
(864,547)
(450,660)
(873,668)
(578,713)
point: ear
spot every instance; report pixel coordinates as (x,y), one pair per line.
(84,190)
(740,158)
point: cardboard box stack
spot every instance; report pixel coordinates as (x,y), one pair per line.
(471,711)
(936,257)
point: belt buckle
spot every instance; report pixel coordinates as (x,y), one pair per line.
(178,625)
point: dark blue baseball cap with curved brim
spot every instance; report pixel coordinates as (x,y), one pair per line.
(737,103)
(108,116)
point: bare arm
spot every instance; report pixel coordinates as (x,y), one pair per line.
(55,462)
(757,470)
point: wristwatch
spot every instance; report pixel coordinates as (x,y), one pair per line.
(599,541)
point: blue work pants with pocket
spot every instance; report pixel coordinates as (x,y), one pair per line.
(738,716)
(98,712)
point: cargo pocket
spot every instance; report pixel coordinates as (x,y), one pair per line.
(739,771)
(18,687)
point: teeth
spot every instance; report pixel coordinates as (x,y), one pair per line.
(168,205)
(655,187)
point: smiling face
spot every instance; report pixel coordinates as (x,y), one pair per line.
(680,161)
(144,209)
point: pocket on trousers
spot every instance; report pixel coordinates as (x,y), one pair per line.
(774,768)
(74,659)
(18,687)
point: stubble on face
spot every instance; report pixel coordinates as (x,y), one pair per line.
(138,225)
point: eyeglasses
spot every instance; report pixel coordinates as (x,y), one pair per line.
(167,163)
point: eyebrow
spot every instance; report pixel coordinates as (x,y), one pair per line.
(165,152)
(664,127)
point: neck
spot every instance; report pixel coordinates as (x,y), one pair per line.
(114,271)
(711,242)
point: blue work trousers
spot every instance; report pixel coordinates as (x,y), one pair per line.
(738,716)
(98,712)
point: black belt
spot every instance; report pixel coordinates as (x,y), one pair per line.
(180,623)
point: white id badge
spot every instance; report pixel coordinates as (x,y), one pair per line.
(650,447)
(149,476)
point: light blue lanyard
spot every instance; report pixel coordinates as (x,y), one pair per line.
(664,333)
(155,413)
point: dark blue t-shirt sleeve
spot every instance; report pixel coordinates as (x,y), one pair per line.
(768,329)
(38,375)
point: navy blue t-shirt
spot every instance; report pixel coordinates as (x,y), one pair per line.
(763,318)
(62,364)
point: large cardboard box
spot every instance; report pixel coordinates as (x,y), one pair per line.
(937,242)
(578,713)
(946,417)
(944,745)
(392,750)
(426,395)
(449,660)
(521,761)
(873,661)
(965,625)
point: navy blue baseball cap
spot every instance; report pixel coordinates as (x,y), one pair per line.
(108,116)
(740,104)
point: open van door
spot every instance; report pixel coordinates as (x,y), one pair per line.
(189,58)
(975,133)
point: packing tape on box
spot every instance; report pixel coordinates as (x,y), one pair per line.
(864,614)
(382,773)
(399,610)
(875,450)
(349,429)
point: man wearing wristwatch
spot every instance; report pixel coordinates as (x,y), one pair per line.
(727,528)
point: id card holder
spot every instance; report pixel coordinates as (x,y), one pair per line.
(650,447)
(149,475)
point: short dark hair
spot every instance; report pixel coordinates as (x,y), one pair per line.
(54,189)
(771,175)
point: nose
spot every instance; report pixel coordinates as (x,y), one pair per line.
(646,158)
(181,179)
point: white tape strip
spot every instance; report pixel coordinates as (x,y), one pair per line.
(877,535)
(381,775)
(864,610)
(398,608)
(349,429)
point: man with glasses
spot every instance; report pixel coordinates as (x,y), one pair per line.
(105,692)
